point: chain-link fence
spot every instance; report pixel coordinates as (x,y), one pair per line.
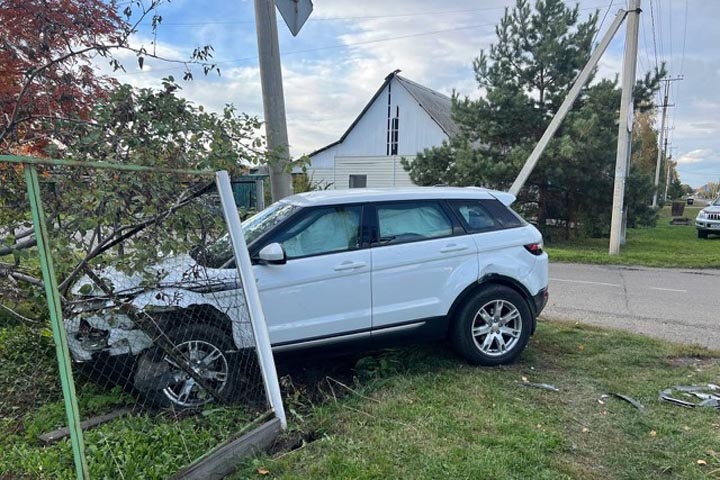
(157,325)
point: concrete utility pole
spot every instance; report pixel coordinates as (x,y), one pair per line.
(665,106)
(273,99)
(625,127)
(667,168)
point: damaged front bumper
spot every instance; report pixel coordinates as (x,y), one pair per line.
(108,331)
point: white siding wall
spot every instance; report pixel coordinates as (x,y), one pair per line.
(364,149)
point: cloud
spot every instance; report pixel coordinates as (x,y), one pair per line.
(695,156)
(339,59)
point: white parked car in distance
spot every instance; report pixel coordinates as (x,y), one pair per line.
(334,268)
(708,219)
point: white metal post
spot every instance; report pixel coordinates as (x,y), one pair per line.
(247,277)
(625,124)
(566,105)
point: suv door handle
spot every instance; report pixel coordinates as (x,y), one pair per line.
(453,247)
(349,265)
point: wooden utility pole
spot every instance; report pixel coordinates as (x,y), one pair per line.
(273,99)
(625,124)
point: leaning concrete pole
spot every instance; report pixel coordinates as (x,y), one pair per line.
(625,127)
(566,105)
(273,99)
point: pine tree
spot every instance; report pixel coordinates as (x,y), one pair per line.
(524,78)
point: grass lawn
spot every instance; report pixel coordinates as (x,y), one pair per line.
(425,414)
(662,246)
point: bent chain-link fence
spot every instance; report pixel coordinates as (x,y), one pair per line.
(157,325)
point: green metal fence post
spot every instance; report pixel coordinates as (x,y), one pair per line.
(56,320)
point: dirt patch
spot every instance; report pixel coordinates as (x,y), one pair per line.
(701,363)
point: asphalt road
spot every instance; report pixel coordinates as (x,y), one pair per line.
(679,305)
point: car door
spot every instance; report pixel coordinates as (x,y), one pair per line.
(420,265)
(323,291)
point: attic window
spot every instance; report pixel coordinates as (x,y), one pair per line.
(394,128)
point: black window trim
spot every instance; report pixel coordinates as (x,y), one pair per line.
(465,228)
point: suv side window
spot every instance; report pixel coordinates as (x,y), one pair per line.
(412,221)
(485,215)
(321,231)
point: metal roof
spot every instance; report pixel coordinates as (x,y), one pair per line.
(437,106)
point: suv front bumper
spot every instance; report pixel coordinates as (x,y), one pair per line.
(707,224)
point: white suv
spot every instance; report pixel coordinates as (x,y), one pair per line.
(355,266)
(708,220)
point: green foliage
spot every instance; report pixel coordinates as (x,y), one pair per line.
(665,245)
(525,77)
(90,209)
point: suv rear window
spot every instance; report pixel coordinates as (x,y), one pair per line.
(412,221)
(485,215)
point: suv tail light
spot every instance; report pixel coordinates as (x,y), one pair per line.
(534,248)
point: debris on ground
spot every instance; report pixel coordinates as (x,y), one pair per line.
(630,400)
(544,386)
(707,395)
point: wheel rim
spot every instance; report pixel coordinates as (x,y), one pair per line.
(208,362)
(496,328)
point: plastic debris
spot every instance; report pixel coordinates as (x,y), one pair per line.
(707,395)
(630,400)
(544,386)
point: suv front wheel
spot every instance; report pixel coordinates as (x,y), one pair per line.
(493,327)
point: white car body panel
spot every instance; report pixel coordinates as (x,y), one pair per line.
(316,296)
(420,280)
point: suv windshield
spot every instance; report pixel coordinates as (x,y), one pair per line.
(716,203)
(219,253)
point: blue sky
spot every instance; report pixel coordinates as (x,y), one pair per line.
(341,56)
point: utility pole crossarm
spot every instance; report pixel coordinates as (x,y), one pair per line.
(567,104)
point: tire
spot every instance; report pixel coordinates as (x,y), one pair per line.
(478,333)
(702,234)
(210,349)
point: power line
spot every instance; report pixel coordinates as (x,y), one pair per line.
(336,46)
(360,17)
(597,32)
(682,58)
(654,36)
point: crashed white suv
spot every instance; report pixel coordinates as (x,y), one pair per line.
(334,268)
(708,220)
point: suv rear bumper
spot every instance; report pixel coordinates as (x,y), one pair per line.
(539,301)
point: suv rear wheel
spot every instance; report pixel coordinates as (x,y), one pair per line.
(493,327)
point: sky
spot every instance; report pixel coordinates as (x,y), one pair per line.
(345,50)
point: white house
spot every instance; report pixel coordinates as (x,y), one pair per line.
(401,119)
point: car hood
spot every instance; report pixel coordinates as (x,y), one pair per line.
(712,209)
(175,271)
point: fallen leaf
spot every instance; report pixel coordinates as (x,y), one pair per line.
(601,402)
(653,433)
(585,430)
(524,379)
(701,462)
(581,347)
(263,471)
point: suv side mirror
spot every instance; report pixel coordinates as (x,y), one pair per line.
(272,254)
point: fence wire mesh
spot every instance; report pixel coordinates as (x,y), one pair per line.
(165,364)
